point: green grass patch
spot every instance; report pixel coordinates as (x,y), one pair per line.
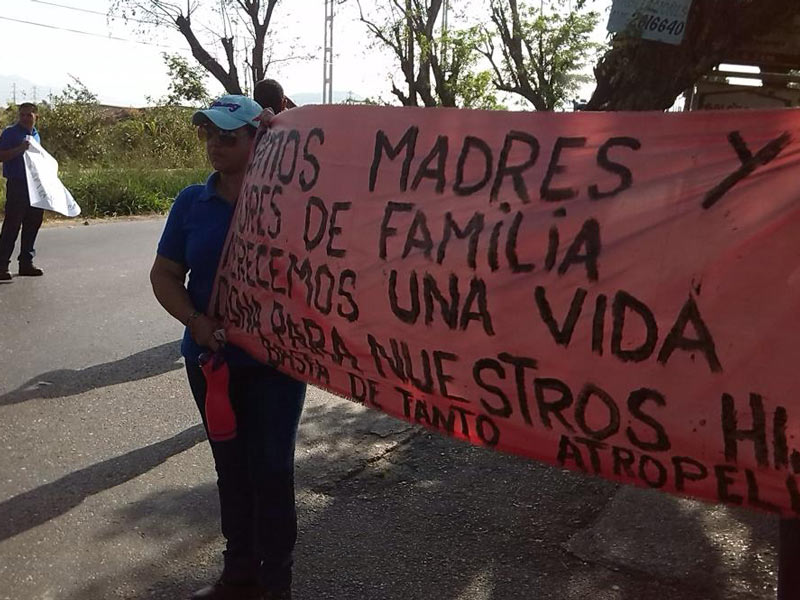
(106,192)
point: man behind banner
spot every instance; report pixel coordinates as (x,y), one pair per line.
(269,94)
(19,214)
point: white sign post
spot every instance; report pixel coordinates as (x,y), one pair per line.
(657,20)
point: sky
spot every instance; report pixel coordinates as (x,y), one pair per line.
(124,66)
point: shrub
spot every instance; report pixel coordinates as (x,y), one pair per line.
(118,161)
(116,192)
(72,126)
(159,136)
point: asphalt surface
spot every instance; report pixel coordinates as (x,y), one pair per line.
(107,488)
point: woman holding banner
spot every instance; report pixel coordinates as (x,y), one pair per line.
(256,468)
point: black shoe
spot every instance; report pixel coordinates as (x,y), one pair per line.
(278,595)
(29,270)
(5,276)
(228,591)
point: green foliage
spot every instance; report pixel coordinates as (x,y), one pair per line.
(462,81)
(125,191)
(566,49)
(80,133)
(8,116)
(72,125)
(542,52)
(187,83)
(112,192)
(161,137)
(118,161)
(475,90)
(440,64)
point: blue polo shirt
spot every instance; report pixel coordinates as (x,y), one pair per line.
(194,236)
(12,137)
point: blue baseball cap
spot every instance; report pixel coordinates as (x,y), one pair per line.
(230,112)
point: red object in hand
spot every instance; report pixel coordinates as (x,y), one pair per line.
(220,418)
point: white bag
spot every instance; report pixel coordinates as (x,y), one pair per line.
(45,189)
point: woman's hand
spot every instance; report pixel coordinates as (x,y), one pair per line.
(207,332)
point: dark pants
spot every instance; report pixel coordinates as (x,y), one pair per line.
(19,214)
(789,560)
(255,473)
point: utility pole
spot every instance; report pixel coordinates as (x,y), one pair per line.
(14,91)
(34,94)
(327,55)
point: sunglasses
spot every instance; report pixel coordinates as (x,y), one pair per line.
(224,137)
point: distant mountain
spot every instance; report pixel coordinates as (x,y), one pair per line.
(30,91)
(25,89)
(301,98)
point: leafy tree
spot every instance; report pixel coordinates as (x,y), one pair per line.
(541,52)
(460,82)
(638,74)
(439,65)
(72,125)
(187,82)
(255,16)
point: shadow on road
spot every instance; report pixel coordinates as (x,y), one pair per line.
(37,506)
(432,518)
(70,382)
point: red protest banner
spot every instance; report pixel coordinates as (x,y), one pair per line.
(614,293)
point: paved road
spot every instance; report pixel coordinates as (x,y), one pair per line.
(108,487)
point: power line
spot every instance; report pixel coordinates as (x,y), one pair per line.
(89,11)
(89,33)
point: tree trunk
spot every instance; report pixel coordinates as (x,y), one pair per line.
(260,28)
(229,80)
(638,74)
(258,67)
(409,72)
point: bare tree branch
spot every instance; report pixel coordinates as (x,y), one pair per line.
(256,15)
